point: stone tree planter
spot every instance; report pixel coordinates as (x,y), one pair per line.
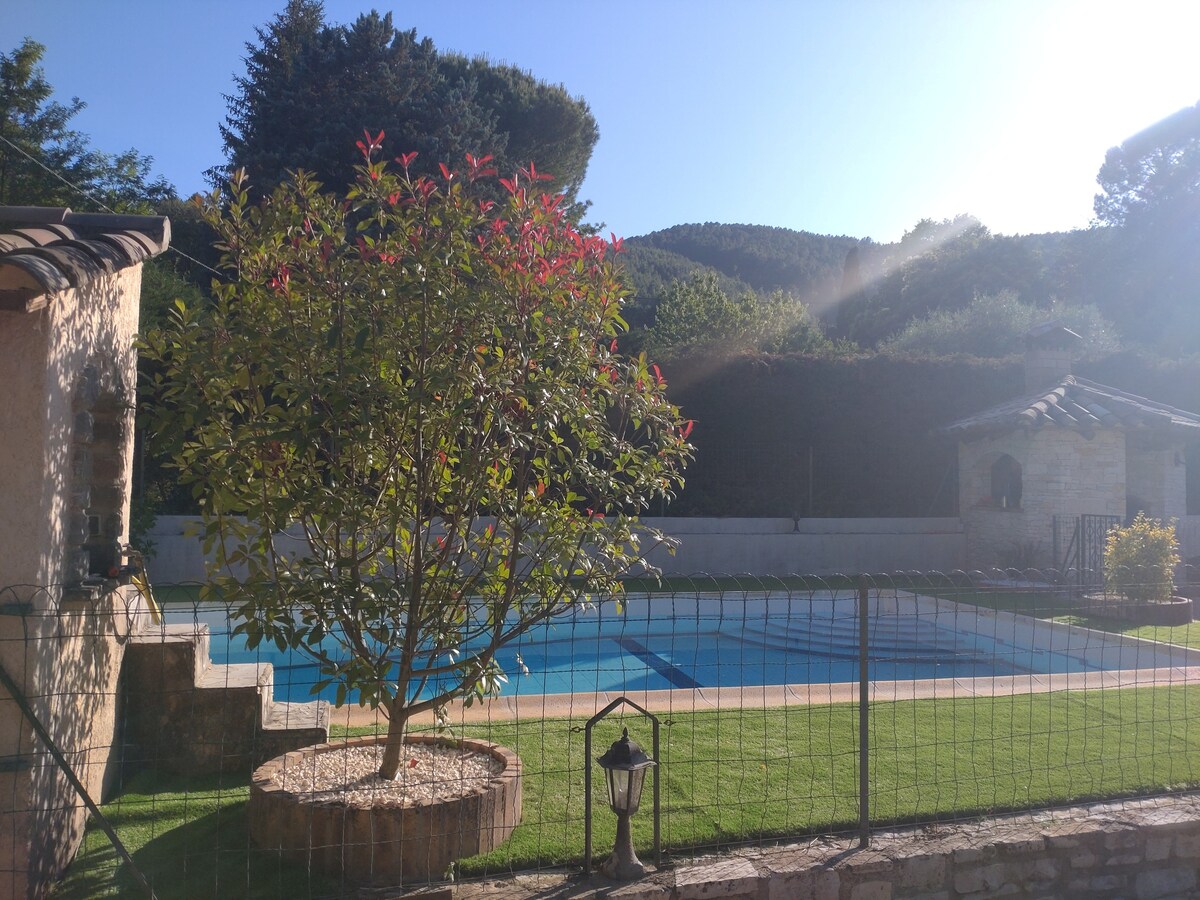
(384,844)
(1176,611)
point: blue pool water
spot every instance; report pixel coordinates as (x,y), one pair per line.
(699,643)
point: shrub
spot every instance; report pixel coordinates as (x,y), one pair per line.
(994,325)
(1140,560)
(425,379)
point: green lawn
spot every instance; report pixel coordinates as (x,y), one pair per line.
(1056,605)
(727,777)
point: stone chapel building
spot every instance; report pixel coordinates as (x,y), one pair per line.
(1043,476)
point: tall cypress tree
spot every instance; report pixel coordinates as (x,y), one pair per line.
(311,88)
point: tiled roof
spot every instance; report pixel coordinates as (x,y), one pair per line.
(44,250)
(1080,405)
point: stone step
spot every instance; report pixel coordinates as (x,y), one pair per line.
(289,715)
(186,714)
(173,657)
(252,684)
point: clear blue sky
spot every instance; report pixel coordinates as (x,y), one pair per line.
(833,116)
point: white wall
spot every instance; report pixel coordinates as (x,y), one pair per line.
(811,546)
(715,546)
(1187,530)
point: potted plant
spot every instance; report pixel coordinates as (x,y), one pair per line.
(422,376)
(1139,572)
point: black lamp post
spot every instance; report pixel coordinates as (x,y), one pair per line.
(625,765)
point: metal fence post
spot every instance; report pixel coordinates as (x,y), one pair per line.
(864,793)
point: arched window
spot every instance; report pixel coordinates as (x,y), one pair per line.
(1006,482)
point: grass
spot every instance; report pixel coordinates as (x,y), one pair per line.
(1055,605)
(188,837)
(727,777)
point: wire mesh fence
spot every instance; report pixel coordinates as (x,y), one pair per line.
(787,707)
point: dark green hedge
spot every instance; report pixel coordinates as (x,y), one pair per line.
(867,423)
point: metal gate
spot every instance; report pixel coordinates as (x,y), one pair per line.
(1079,545)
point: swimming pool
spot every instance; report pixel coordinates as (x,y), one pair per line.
(663,643)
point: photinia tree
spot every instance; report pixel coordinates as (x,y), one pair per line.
(425,381)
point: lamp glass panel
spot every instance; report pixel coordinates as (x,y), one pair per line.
(625,789)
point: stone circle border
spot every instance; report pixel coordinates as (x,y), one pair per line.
(384,844)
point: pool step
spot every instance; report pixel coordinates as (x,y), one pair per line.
(182,713)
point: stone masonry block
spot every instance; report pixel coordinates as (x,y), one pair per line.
(1187,846)
(1021,846)
(1158,883)
(728,878)
(973,879)
(872,890)
(1122,840)
(966,855)
(1105,883)
(922,873)
(807,884)
(1040,869)
(1158,848)
(1124,859)
(1084,860)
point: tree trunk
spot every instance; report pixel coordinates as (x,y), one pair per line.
(393,749)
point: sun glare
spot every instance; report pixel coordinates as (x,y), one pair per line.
(1090,75)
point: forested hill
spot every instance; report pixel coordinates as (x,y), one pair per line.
(950,286)
(760,257)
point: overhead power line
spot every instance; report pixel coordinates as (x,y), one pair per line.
(89,195)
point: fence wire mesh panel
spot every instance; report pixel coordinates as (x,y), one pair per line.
(986,692)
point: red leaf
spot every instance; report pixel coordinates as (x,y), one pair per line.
(371,145)
(446,173)
(534,175)
(405,159)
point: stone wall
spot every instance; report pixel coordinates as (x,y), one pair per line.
(60,367)
(1157,476)
(1063,473)
(45,360)
(709,545)
(1136,849)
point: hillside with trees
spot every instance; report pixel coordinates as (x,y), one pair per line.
(759,257)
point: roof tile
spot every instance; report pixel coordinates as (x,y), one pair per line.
(46,250)
(1079,405)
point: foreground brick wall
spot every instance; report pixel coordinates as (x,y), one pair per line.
(1140,850)
(1137,850)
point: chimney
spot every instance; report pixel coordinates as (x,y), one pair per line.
(1048,351)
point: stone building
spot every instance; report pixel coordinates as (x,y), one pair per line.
(1043,476)
(69,296)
